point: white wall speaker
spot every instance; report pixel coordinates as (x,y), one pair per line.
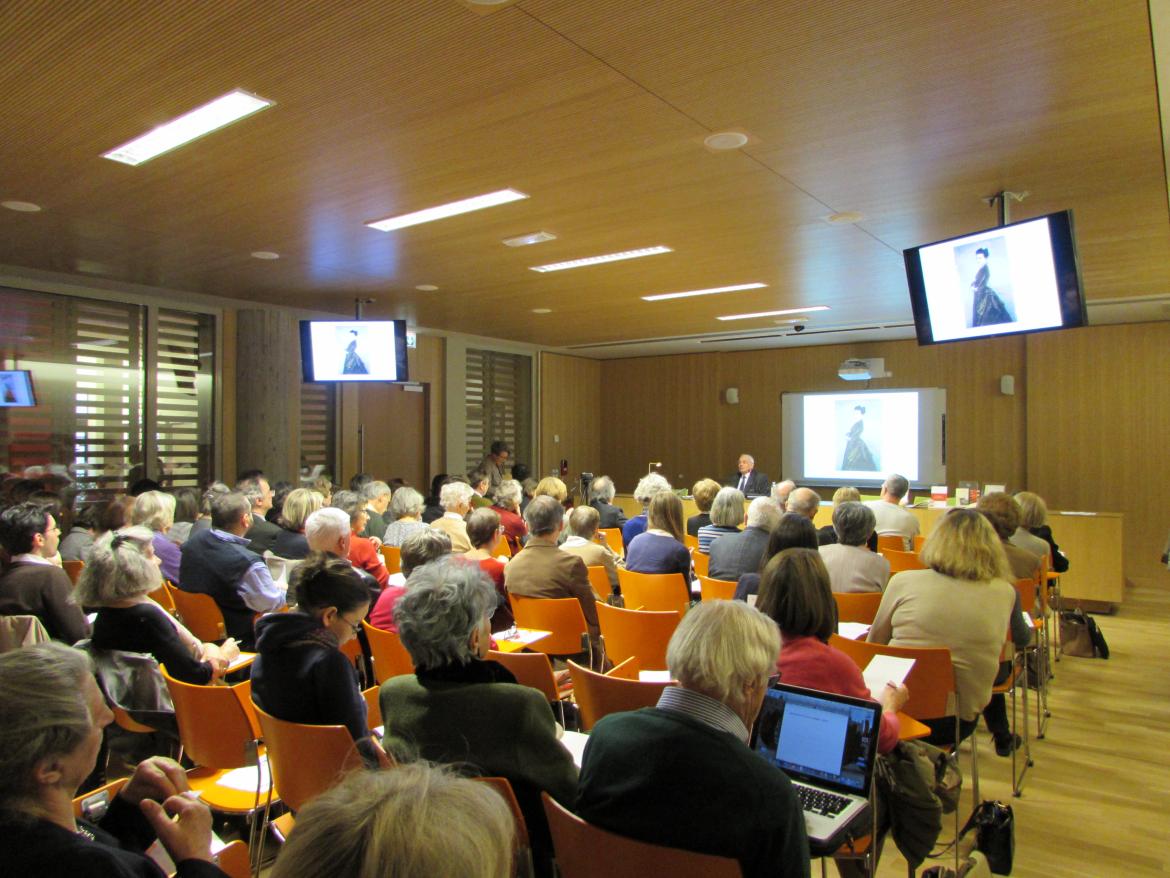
(1007,385)
(731,394)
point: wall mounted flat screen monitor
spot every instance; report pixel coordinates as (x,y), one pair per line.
(1022,277)
(353,350)
(859,437)
(16,389)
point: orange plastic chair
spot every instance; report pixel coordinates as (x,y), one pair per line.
(655,591)
(919,542)
(691,542)
(640,633)
(234,860)
(562,616)
(522,847)
(390,657)
(392,558)
(587,851)
(857,606)
(702,562)
(716,589)
(199,613)
(900,561)
(91,804)
(306,760)
(599,695)
(891,541)
(530,669)
(613,539)
(599,579)
(73,568)
(162,597)
(373,708)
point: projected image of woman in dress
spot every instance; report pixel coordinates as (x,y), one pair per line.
(354,364)
(987,308)
(857,454)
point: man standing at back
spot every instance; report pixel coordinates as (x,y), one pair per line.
(218,562)
(30,535)
(681,774)
(493,465)
(893,518)
(749,481)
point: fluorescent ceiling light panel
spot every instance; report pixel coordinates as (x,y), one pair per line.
(710,292)
(190,126)
(597,260)
(807,310)
(466,205)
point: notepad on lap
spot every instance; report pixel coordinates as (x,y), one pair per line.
(883,669)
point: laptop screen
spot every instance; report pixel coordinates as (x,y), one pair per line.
(823,739)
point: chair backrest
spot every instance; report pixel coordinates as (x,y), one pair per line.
(562,616)
(1028,590)
(613,538)
(214,725)
(98,798)
(857,606)
(702,562)
(919,542)
(655,591)
(200,613)
(234,860)
(390,657)
(305,760)
(900,561)
(530,669)
(162,597)
(598,695)
(641,633)
(716,589)
(891,541)
(587,851)
(691,542)
(392,558)
(626,670)
(373,707)
(281,568)
(73,568)
(523,845)
(599,580)
(931,681)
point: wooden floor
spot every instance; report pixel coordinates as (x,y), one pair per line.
(1097,800)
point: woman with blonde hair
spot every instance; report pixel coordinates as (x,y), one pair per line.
(156,510)
(704,493)
(298,506)
(962,601)
(414,821)
(660,549)
(1034,528)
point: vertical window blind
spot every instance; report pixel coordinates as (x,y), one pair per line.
(498,403)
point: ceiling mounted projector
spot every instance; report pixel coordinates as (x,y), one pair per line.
(862,370)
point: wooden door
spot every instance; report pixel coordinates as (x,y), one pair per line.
(395,429)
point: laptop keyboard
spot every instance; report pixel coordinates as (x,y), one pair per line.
(820,801)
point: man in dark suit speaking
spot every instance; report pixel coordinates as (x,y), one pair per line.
(748,480)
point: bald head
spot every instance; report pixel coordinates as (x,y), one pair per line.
(804,501)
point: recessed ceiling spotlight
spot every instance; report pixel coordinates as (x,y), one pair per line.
(21,206)
(224,110)
(426,288)
(780,313)
(724,140)
(542,310)
(658,297)
(844,218)
(597,260)
(265,254)
(442,211)
(529,239)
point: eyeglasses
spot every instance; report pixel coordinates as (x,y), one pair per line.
(356,626)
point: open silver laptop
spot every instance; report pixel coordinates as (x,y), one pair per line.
(826,744)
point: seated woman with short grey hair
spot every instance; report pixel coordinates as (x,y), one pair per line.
(419,549)
(852,566)
(459,708)
(406,509)
(726,517)
(508,497)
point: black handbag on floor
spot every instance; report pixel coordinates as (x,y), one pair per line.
(995,834)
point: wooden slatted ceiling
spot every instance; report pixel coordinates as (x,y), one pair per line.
(907,110)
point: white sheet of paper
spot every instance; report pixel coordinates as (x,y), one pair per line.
(654,676)
(884,669)
(524,635)
(993,489)
(575,743)
(696,587)
(751,599)
(852,630)
(160,856)
(243,659)
(244,779)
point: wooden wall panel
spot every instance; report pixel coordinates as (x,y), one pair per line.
(267,392)
(676,404)
(1099,416)
(570,408)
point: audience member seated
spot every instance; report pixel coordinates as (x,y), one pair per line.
(542,570)
(156,511)
(681,774)
(826,535)
(121,572)
(203,520)
(218,563)
(660,548)
(186,511)
(508,508)
(804,501)
(780,492)
(479,482)
(329,530)
(1034,520)
(733,555)
(962,601)
(50,736)
(280,492)
(485,533)
(416,821)
(30,536)
(263,533)
(322,486)
(300,674)
(358,481)
(433,510)
(583,524)
(420,548)
(298,506)
(852,566)
(455,498)
(527,487)
(493,465)
(406,508)
(362,552)
(791,532)
(703,492)
(601,493)
(76,545)
(647,488)
(893,518)
(460,709)
(726,517)
(376,495)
